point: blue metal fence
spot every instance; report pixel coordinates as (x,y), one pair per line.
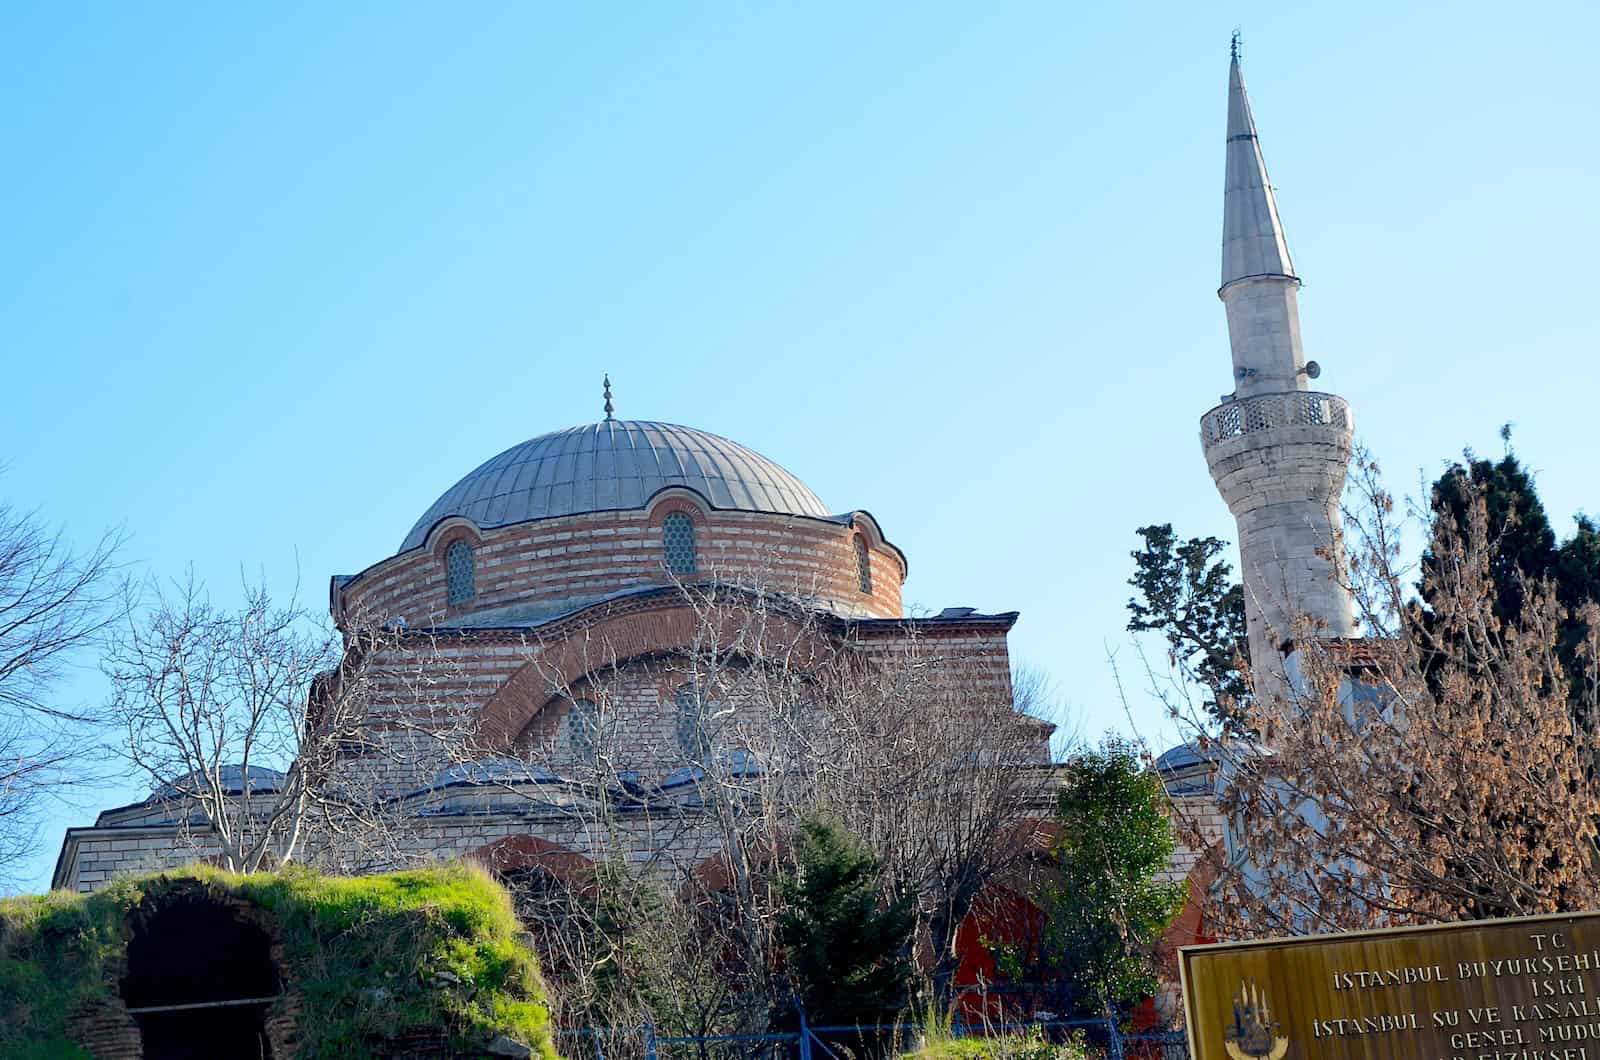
(1104,1038)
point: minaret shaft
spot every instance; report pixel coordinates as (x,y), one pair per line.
(1278,451)
(1264,334)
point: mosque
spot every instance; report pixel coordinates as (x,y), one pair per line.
(552,577)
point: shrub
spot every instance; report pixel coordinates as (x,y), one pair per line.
(373,959)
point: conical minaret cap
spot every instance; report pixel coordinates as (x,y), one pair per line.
(1253,243)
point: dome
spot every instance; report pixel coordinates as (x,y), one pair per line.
(612,465)
(230,780)
(487,771)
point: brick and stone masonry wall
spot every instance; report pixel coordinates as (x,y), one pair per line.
(514,690)
(583,557)
(668,840)
(527,687)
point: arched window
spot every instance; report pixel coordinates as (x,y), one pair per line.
(677,542)
(693,740)
(583,730)
(863,565)
(458,574)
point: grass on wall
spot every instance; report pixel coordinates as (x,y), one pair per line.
(373,958)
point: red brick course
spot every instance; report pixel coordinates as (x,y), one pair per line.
(549,561)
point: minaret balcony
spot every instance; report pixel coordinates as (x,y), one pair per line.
(1243,417)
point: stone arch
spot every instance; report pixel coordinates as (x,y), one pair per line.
(203,977)
(519,853)
(551,886)
(671,499)
(573,654)
(713,873)
(863,523)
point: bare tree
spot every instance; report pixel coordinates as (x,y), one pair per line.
(1442,768)
(943,772)
(53,602)
(244,719)
(921,748)
(38,760)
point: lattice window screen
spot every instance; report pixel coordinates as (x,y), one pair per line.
(460,581)
(863,565)
(693,740)
(677,542)
(583,730)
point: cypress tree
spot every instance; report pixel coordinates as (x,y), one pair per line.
(1526,551)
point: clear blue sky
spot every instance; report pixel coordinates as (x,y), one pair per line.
(275,276)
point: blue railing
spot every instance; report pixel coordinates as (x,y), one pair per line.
(1104,1037)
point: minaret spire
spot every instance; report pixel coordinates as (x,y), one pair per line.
(1253,243)
(1259,284)
(1277,450)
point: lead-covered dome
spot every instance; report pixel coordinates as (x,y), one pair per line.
(612,465)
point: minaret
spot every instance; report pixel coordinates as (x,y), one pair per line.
(1277,450)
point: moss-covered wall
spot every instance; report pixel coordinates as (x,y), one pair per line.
(424,963)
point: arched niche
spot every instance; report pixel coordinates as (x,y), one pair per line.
(201,978)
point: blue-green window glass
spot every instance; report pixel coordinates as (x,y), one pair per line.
(677,542)
(458,573)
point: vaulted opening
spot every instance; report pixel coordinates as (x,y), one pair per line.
(200,981)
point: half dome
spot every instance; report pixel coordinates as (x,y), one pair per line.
(611,465)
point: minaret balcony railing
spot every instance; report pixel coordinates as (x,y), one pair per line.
(1264,412)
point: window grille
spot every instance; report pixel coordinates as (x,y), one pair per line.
(693,739)
(1265,412)
(458,570)
(1313,409)
(583,730)
(863,565)
(677,542)
(1257,416)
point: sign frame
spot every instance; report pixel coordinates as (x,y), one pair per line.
(1465,928)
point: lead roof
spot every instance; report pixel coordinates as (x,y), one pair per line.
(611,465)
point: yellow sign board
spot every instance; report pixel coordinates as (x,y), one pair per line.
(1523,989)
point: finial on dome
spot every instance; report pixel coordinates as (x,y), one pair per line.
(610,408)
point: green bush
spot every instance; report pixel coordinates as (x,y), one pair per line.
(1031,1046)
(937,1040)
(373,958)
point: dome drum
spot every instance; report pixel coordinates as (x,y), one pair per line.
(579,515)
(530,572)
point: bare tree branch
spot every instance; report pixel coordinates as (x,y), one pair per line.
(53,603)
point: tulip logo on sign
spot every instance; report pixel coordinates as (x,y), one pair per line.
(1253,1034)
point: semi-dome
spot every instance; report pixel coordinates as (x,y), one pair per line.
(611,465)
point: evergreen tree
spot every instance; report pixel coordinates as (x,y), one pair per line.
(1577,574)
(1577,567)
(847,952)
(1107,909)
(1527,552)
(1517,521)
(1188,594)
